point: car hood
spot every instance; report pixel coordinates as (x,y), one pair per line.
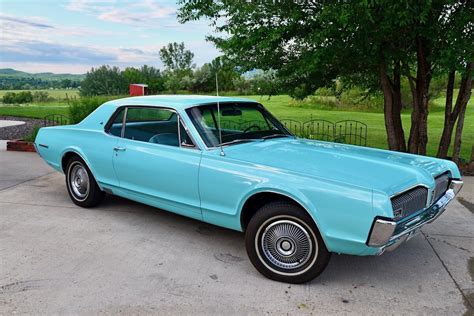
(383,170)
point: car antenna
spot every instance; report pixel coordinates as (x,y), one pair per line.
(219,117)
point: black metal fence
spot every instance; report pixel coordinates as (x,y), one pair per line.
(346,131)
(56,119)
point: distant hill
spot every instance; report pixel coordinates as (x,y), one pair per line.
(12,73)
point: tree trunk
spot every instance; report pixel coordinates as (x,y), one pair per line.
(449,118)
(461,102)
(419,119)
(388,107)
(397,108)
(392,107)
(413,138)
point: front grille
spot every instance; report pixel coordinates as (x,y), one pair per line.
(409,202)
(442,184)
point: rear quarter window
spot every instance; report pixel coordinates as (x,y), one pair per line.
(116,127)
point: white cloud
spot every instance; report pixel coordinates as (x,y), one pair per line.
(89,6)
(32,43)
(16,29)
(144,13)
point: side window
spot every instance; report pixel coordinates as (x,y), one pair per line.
(153,125)
(186,140)
(116,127)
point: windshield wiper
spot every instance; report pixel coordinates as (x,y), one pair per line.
(241,140)
(248,140)
(274,136)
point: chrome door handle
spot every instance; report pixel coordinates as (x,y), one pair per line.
(119,148)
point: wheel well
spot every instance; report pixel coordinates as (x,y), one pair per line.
(255,202)
(66,157)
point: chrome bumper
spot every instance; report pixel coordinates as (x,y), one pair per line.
(387,234)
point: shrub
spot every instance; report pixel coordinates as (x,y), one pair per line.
(41,96)
(325,92)
(242,86)
(301,92)
(17,98)
(24,97)
(9,98)
(358,99)
(79,109)
(32,136)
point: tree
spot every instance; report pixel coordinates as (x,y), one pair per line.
(458,113)
(147,75)
(104,80)
(178,62)
(65,83)
(176,58)
(369,43)
(204,78)
(173,82)
(242,85)
(266,83)
(153,78)
(226,73)
(132,75)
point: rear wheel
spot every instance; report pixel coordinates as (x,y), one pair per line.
(81,185)
(284,244)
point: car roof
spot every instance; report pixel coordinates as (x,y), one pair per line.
(176,101)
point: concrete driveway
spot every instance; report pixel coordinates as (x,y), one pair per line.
(124,257)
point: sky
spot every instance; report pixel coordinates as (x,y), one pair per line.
(71,36)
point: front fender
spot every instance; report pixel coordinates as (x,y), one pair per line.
(343,213)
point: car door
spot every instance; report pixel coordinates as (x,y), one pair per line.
(156,162)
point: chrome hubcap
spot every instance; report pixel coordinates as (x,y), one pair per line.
(286,244)
(79,181)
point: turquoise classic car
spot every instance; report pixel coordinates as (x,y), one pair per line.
(229,162)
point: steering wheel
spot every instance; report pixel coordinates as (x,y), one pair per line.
(252,126)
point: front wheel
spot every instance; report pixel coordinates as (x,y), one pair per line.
(284,244)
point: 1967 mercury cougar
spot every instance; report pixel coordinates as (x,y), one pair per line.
(229,162)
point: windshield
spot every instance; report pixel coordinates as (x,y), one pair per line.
(239,122)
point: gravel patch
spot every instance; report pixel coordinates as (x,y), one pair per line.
(19,131)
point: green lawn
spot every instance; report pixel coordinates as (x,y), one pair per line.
(33,110)
(284,107)
(59,94)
